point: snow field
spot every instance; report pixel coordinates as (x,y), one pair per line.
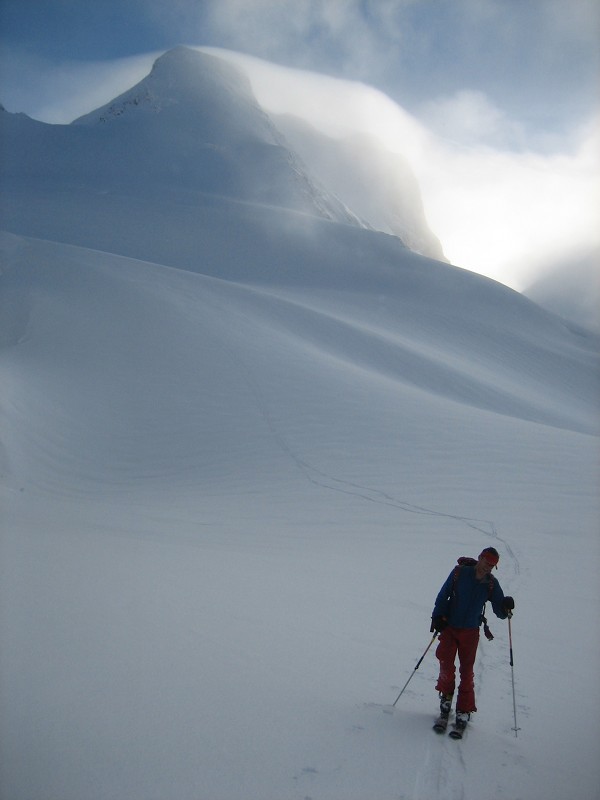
(244,439)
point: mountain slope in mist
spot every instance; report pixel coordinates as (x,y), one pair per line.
(378,185)
(572,289)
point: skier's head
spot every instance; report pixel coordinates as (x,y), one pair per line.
(491,556)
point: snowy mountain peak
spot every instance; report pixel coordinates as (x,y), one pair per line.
(204,89)
(194,124)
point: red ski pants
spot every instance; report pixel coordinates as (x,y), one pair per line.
(463,641)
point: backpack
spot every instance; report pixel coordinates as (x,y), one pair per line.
(467,561)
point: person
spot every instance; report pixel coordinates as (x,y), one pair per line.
(457,616)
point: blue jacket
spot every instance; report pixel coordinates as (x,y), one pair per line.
(462,602)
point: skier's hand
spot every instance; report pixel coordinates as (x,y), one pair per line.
(509,603)
(438,624)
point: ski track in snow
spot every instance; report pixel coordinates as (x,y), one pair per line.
(327,481)
(438,777)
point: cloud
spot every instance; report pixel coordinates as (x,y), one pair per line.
(335,106)
(511,215)
(539,60)
(470,118)
(301,34)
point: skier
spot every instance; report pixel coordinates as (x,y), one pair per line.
(457,615)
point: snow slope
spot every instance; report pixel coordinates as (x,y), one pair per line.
(242,446)
(572,289)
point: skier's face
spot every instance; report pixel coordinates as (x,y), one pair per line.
(483,566)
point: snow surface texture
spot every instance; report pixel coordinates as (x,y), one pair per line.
(244,439)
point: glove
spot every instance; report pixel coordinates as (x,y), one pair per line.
(438,624)
(509,603)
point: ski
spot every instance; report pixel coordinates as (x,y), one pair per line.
(440,725)
(457,732)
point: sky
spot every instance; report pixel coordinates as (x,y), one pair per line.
(496,101)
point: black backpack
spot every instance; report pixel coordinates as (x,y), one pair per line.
(467,561)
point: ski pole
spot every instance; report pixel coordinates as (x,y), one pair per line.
(512,672)
(433,638)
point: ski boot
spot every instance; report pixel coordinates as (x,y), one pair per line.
(441,723)
(460,724)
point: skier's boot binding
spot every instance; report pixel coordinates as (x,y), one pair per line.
(445,705)
(462,717)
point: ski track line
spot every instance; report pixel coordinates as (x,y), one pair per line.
(439,778)
(326,481)
(430,780)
